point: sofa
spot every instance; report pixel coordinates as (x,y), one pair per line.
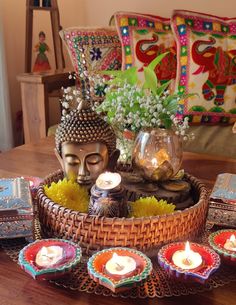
(196,63)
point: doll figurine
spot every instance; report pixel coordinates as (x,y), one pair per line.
(41,63)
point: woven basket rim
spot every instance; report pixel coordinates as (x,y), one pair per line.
(203,193)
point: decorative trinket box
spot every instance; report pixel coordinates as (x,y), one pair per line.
(49,258)
(16,210)
(222,209)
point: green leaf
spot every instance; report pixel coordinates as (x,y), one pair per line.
(111,72)
(162,88)
(172,105)
(150,79)
(156,61)
(166,120)
(130,75)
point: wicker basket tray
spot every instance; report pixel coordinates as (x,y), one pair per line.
(94,233)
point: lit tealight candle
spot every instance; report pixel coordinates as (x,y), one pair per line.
(230,243)
(154,162)
(187,259)
(108,181)
(120,265)
(49,256)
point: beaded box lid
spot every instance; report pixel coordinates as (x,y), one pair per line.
(225,189)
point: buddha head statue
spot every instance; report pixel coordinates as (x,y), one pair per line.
(85,145)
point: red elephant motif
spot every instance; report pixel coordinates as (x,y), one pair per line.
(147,50)
(221,66)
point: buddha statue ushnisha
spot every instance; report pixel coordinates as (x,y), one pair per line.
(85,145)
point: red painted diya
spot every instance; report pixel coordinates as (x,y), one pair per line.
(189,261)
(49,258)
(224,243)
(120,268)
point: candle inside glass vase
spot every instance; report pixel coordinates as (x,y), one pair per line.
(230,243)
(108,196)
(187,259)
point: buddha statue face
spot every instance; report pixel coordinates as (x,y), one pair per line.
(85,145)
(84,162)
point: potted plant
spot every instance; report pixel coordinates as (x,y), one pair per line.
(131,106)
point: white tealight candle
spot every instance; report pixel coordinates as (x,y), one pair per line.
(187,259)
(230,244)
(120,265)
(108,181)
(49,256)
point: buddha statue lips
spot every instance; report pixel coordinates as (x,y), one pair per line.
(85,145)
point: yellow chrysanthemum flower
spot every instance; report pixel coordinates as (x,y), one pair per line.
(69,194)
(150,206)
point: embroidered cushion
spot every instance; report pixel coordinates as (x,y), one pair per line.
(92,50)
(206,65)
(143,37)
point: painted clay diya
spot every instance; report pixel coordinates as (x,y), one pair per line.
(119,269)
(49,258)
(224,243)
(196,265)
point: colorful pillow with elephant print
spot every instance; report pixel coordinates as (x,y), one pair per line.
(207,66)
(143,38)
(93,49)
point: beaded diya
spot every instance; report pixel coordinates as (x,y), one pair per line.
(224,243)
(200,264)
(120,268)
(49,258)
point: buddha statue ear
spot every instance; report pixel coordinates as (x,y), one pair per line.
(59,158)
(113,160)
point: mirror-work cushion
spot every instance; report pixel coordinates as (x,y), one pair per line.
(93,49)
(206,65)
(143,37)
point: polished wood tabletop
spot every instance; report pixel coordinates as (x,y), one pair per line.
(18,288)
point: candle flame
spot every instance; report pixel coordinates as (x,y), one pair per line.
(116,260)
(115,256)
(232,238)
(187,250)
(44,251)
(154,162)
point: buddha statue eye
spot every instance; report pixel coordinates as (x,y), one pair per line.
(94,159)
(72,160)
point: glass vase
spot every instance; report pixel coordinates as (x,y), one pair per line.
(125,143)
(157,154)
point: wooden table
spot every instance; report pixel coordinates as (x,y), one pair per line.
(17,288)
(36,88)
